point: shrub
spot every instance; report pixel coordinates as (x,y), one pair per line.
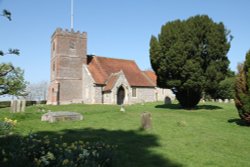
(30,103)
(7,126)
(4,104)
(35,150)
(226,89)
(242,90)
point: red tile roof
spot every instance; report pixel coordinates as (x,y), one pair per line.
(151,76)
(110,82)
(102,67)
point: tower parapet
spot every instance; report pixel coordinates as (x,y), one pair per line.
(66,32)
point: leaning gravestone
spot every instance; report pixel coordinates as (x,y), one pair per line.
(146,120)
(167,100)
(61,116)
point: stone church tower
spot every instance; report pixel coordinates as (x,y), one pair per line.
(68,54)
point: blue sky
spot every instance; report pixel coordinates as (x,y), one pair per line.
(116,28)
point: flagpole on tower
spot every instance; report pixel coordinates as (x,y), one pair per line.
(72,15)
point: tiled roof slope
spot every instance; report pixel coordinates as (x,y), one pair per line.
(110,82)
(151,76)
(102,67)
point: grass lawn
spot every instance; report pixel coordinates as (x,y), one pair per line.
(211,135)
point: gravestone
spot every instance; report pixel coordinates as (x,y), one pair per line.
(13,106)
(61,116)
(146,120)
(122,108)
(23,105)
(167,100)
(17,105)
(220,101)
(226,101)
(231,100)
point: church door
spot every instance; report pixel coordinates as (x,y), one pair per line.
(120,95)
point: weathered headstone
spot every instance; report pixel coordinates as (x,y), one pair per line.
(146,120)
(220,101)
(231,100)
(23,105)
(226,101)
(17,105)
(167,100)
(122,108)
(61,116)
(18,109)
(13,106)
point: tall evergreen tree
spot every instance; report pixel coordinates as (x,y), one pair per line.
(189,57)
(242,89)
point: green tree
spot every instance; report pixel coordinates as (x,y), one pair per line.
(226,88)
(242,89)
(11,78)
(189,57)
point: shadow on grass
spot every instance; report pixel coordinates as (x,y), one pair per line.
(238,122)
(198,107)
(134,147)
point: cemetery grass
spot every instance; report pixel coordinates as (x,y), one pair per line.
(210,135)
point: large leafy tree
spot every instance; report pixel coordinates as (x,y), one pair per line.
(11,78)
(242,89)
(189,57)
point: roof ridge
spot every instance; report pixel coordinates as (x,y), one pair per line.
(114,58)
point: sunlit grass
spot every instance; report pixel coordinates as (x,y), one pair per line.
(210,135)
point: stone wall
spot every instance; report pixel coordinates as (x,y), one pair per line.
(161,94)
(107,98)
(98,95)
(143,94)
(88,92)
(70,91)
(53,93)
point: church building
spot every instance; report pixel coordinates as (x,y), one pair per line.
(80,78)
